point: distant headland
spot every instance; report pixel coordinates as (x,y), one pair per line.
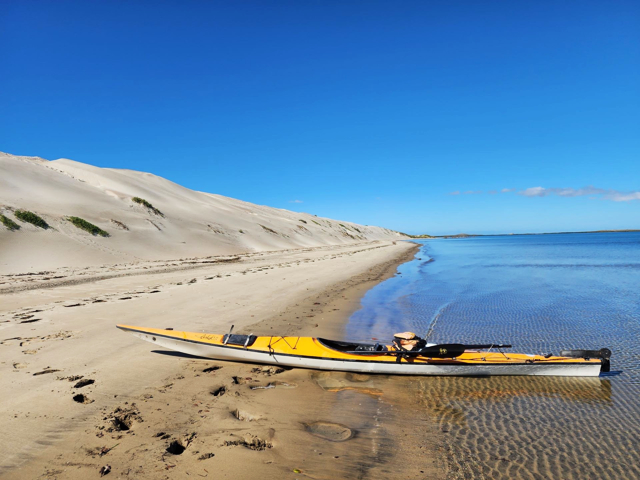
(468,235)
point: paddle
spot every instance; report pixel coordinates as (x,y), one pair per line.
(444,350)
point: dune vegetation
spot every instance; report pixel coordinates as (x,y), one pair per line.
(32,218)
(144,203)
(10,224)
(87,226)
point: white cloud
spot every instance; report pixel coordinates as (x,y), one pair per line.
(622,197)
(534,192)
(589,190)
(296,201)
(613,195)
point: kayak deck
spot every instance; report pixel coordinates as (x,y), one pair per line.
(309,352)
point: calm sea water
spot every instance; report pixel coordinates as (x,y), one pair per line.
(541,294)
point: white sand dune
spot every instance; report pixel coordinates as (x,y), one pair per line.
(193,223)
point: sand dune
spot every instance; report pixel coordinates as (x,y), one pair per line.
(187,223)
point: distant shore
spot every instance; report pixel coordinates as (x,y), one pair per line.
(468,235)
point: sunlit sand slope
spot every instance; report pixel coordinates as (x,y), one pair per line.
(182,223)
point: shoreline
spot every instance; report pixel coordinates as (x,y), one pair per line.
(329,310)
(161,392)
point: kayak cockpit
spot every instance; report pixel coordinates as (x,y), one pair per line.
(352,347)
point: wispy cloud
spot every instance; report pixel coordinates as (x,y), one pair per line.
(614,195)
(623,197)
(590,190)
(468,192)
(296,201)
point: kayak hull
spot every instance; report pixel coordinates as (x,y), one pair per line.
(305,352)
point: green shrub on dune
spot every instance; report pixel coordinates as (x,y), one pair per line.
(144,203)
(87,226)
(10,224)
(32,218)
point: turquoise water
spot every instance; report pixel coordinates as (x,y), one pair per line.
(540,293)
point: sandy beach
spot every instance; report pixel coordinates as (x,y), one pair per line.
(78,394)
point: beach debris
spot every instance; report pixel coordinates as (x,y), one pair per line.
(240,380)
(82,398)
(100,451)
(45,371)
(244,416)
(297,470)
(105,470)
(251,442)
(84,383)
(193,280)
(206,456)
(274,385)
(268,370)
(333,432)
(191,438)
(71,378)
(74,305)
(218,392)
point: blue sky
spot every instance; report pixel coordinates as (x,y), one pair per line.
(373,112)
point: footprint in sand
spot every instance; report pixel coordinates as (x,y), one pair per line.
(333,432)
(218,391)
(84,383)
(81,398)
(211,369)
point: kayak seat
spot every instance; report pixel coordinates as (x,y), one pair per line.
(241,340)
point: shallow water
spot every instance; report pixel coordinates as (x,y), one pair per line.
(540,293)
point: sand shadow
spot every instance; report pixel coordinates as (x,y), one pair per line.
(172,353)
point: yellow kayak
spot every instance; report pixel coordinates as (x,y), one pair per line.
(392,359)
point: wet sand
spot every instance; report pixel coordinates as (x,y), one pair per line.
(78,395)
